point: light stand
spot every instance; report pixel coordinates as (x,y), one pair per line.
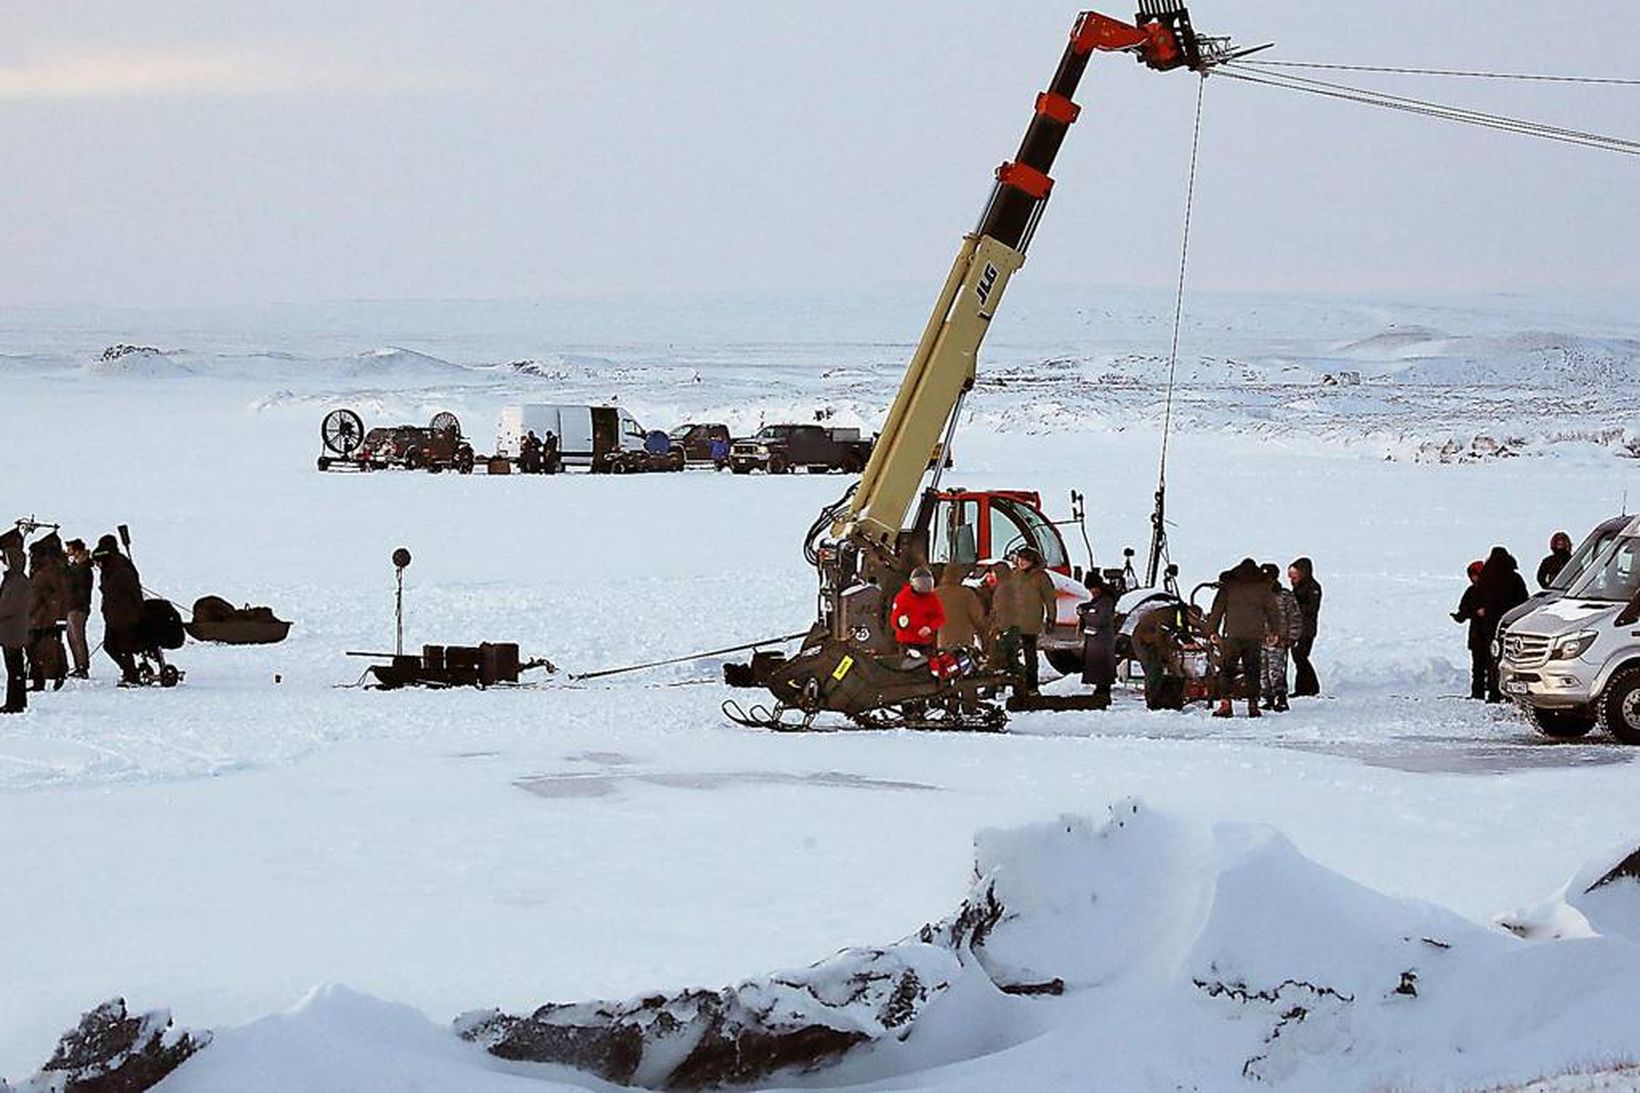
(401,559)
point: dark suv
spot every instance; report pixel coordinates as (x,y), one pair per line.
(696,440)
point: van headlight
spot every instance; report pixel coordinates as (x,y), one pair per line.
(1572,646)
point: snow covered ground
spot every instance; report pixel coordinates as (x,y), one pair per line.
(224,848)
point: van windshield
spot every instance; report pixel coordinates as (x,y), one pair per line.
(1615,574)
(1579,563)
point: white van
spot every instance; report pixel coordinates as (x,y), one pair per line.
(588,436)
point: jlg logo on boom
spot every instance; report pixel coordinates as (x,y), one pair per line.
(987,282)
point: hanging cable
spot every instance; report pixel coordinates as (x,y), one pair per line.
(1458,113)
(1611,80)
(1158,531)
(1498,122)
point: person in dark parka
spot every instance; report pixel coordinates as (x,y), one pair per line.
(81,580)
(1481,630)
(47,608)
(1244,610)
(1097,622)
(14,589)
(1502,589)
(965,620)
(1560,552)
(1307,590)
(121,607)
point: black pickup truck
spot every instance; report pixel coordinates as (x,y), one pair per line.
(779,449)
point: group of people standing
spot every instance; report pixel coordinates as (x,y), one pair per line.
(1259,624)
(1255,621)
(1004,616)
(1495,589)
(46,595)
(537,455)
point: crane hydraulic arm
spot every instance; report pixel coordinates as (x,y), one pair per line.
(941,371)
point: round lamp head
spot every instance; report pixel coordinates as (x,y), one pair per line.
(401,557)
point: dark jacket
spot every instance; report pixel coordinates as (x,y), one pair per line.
(964,613)
(1097,621)
(1308,593)
(1480,629)
(80,580)
(48,587)
(1501,587)
(14,588)
(1550,567)
(1026,600)
(121,593)
(1244,609)
(1156,639)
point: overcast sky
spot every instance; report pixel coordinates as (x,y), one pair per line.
(170,152)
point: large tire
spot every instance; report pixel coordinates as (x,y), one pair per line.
(853,465)
(1562,724)
(1619,706)
(675,461)
(778,465)
(1067,662)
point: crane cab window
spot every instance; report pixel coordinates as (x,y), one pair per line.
(954,536)
(1014,525)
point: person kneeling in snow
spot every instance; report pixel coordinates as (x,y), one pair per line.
(917,614)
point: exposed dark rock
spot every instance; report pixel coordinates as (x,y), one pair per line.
(115,352)
(1627,869)
(110,1051)
(736,1036)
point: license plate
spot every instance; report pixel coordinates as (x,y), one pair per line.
(1514,687)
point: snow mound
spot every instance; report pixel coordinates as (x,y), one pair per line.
(137,362)
(1142,949)
(390,361)
(1532,358)
(1146,950)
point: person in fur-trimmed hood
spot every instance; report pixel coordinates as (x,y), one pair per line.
(1244,610)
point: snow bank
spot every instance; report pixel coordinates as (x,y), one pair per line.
(1145,950)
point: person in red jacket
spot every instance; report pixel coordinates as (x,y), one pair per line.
(917,614)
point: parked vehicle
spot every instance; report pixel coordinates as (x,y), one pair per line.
(1573,661)
(779,449)
(1581,558)
(658,454)
(435,447)
(695,440)
(594,437)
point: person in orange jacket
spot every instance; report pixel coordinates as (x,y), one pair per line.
(917,614)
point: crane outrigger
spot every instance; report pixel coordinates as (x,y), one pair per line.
(861,545)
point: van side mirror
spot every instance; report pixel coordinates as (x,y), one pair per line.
(1631,613)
